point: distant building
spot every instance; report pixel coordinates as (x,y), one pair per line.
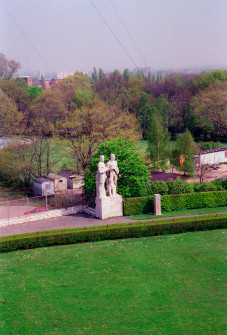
(28,80)
(42,186)
(213,156)
(63,75)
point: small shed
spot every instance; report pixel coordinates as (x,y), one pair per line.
(60,182)
(76,182)
(213,156)
(43,186)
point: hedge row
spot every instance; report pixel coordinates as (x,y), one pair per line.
(180,186)
(137,229)
(133,206)
(174,202)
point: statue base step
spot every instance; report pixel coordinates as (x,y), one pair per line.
(108,207)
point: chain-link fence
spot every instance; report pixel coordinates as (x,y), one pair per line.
(36,205)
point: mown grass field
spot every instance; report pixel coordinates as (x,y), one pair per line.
(158,285)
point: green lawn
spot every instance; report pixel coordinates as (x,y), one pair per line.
(158,285)
(180,213)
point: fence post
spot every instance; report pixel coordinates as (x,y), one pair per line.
(27,203)
(8,208)
(46,201)
(64,200)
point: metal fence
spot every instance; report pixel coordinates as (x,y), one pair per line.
(36,205)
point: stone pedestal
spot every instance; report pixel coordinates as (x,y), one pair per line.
(109,207)
(157,204)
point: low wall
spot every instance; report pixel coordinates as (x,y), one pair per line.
(43,216)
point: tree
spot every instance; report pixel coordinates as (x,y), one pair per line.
(95,77)
(159,146)
(180,109)
(47,113)
(210,109)
(202,170)
(134,175)
(184,151)
(127,74)
(10,117)
(143,112)
(22,162)
(35,91)
(16,89)
(8,67)
(85,128)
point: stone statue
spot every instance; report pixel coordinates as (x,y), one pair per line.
(101,178)
(111,206)
(112,172)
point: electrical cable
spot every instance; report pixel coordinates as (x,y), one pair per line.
(130,36)
(115,36)
(27,39)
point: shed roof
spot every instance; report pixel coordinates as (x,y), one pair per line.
(53,176)
(41,180)
(213,150)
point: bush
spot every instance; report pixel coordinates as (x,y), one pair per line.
(171,203)
(175,202)
(158,187)
(134,175)
(110,232)
(133,206)
(178,186)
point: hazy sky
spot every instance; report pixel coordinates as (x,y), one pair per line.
(70,35)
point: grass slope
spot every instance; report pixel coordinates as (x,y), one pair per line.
(158,285)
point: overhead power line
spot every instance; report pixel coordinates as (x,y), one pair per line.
(26,37)
(130,36)
(115,36)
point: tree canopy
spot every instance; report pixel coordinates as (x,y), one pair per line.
(134,175)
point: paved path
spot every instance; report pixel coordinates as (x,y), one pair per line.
(70,221)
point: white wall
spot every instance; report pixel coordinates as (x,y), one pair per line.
(212,158)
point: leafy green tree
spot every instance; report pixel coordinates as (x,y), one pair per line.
(184,151)
(95,77)
(134,175)
(8,67)
(85,128)
(127,74)
(47,113)
(159,146)
(143,111)
(35,91)
(10,117)
(16,89)
(210,109)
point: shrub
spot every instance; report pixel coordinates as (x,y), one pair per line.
(178,186)
(174,202)
(133,206)
(158,187)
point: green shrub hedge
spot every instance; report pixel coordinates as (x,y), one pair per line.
(98,233)
(174,202)
(179,186)
(132,206)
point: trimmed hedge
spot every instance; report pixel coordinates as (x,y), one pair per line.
(174,202)
(109,232)
(132,206)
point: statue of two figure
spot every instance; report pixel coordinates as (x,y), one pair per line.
(107,173)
